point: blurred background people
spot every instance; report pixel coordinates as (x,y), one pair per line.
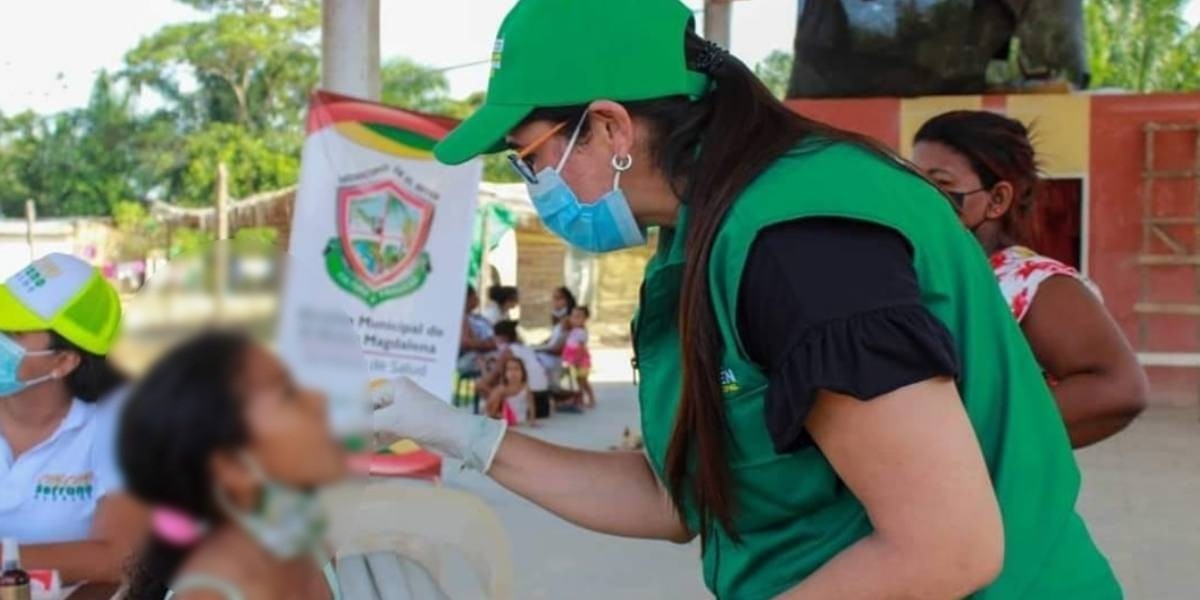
(509,345)
(511,399)
(502,299)
(61,494)
(987,165)
(562,302)
(229,451)
(476,338)
(576,356)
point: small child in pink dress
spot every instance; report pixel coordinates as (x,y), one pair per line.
(576,356)
(512,400)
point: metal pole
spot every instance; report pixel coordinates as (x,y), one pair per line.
(350,47)
(30,219)
(718,21)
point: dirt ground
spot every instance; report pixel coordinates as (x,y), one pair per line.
(1141,498)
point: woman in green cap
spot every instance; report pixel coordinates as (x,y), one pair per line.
(834,397)
(61,493)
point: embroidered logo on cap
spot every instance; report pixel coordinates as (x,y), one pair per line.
(35,275)
(497,54)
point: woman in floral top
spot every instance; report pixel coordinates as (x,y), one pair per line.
(986,164)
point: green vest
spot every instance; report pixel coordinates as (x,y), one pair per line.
(793,513)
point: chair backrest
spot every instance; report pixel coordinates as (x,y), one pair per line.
(386,576)
(425,525)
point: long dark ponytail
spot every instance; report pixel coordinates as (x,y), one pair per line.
(177,417)
(712,149)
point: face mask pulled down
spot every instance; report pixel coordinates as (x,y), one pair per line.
(601,226)
(287,522)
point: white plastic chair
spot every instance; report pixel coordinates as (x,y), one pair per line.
(425,525)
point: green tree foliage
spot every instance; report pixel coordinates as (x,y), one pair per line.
(255,163)
(257,236)
(254,62)
(407,84)
(775,71)
(231,86)
(138,231)
(188,241)
(236,86)
(78,162)
(1142,45)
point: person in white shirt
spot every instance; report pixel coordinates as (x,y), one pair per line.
(549,353)
(475,341)
(508,345)
(502,299)
(60,490)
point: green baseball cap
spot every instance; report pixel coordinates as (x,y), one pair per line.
(566,52)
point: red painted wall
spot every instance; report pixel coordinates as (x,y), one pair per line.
(876,117)
(1115,191)
(1113,188)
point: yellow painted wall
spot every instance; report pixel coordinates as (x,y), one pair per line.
(1061,127)
(915,111)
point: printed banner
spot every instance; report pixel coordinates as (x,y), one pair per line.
(387,227)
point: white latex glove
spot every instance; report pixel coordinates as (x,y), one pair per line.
(403,409)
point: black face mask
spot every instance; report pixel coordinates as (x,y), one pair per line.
(959,200)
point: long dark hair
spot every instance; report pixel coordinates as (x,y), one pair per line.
(711,150)
(501,294)
(571,302)
(998,149)
(177,417)
(520,363)
(94,378)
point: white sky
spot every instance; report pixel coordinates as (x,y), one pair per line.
(50,50)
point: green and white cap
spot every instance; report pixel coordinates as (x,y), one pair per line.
(552,53)
(64,294)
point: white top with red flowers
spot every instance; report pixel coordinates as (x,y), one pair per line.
(1020,271)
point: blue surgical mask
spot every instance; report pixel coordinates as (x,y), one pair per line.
(601,226)
(11,355)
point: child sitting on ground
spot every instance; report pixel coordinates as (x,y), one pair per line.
(508,345)
(576,356)
(512,400)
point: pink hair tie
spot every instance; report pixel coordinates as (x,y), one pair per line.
(175,527)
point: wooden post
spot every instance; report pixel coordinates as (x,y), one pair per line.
(30,219)
(718,21)
(222,201)
(221,250)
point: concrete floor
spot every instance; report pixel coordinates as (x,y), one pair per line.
(1141,497)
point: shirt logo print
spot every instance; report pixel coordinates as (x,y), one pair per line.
(729,382)
(56,487)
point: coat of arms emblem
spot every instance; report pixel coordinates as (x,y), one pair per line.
(379,253)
